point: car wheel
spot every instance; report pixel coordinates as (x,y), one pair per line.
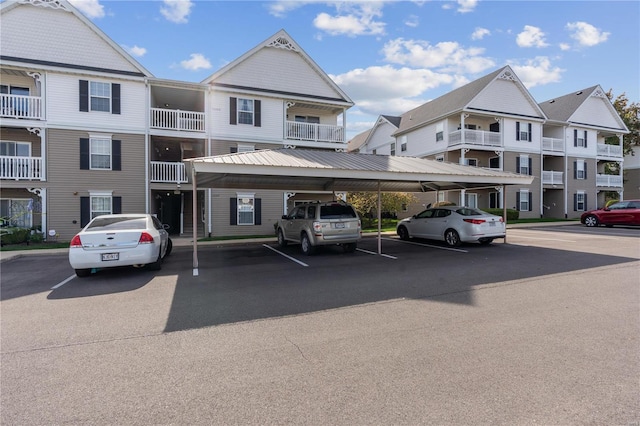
(307,248)
(157,265)
(452,238)
(169,247)
(81,273)
(591,221)
(485,241)
(282,242)
(349,247)
(403,233)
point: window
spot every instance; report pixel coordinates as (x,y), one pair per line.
(439,132)
(579,138)
(245,111)
(98,203)
(245,148)
(15,149)
(495,200)
(494,162)
(580,169)
(471,200)
(100,154)
(440,158)
(374,152)
(524,165)
(17,212)
(523,131)
(11,105)
(246,204)
(101,204)
(580,201)
(393,148)
(403,147)
(523,200)
(100,96)
(471,162)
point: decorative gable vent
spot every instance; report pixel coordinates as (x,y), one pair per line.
(507,75)
(282,43)
(53,4)
(599,94)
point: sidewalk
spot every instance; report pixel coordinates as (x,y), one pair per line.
(187,241)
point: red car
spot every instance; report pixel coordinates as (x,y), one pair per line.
(621,213)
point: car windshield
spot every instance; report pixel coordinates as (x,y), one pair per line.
(112,223)
(337,211)
(467,211)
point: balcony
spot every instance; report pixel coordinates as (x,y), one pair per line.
(611,181)
(20,168)
(552,144)
(19,106)
(475,137)
(606,150)
(315,132)
(552,178)
(174,119)
(168,172)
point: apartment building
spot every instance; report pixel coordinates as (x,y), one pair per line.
(494,122)
(85,129)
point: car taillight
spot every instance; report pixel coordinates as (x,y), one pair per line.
(317,227)
(75,242)
(475,221)
(145,238)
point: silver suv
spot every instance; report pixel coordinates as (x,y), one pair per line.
(320,224)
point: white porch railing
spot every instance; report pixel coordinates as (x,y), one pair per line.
(475,137)
(168,172)
(614,181)
(19,106)
(609,150)
(20,168)
(315,132)
(552,144)
(174,119)
(552,178)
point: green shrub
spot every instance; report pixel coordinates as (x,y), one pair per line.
(444,203)
(14,235)
(511,213)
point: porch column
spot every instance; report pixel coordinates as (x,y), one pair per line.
(194,206)
(504,211)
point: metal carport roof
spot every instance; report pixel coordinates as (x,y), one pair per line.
(315,170)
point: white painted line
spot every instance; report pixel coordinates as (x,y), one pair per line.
(375,254)
(285,255)
(426,245)
(63,282)
(545,239)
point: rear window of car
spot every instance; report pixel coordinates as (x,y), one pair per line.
(337,211)
(113,223)
(466,211)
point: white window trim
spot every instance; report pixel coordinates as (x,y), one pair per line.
(91,96)
(28,214)
(100,194)
(467,162)
(580,168)
(240,196)
(246,148)
(581,194)
(102,137)
(471,196)
(18,143)
(524,200)
(392,148)
(252,111)
(524,164)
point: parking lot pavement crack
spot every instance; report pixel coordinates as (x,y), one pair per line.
(297,347)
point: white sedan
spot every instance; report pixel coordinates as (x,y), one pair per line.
(119,240)
(453,225)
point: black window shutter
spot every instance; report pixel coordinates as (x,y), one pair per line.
(530,166)
(517,130)
(85,211)
(233,211)
(257,122)
(585,202)
(258,211)
(585,138)
(529,132)
(585,169)
(115,98)
(84,95)
(530,201)
(233,149)
(517,164)
(575,202)
(575,170)
(233,110)
(84,154)
(116,155)
(575,137)
(518,200)
(116,205)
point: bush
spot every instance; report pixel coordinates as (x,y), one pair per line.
(444,203)
(14,235)
(511,213)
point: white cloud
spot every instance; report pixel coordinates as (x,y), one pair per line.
(531,37)
(537,72)
(465,6)
(447,56)
(91,8)
(135,51)
(197,62)
(280,8)
(177,11)
(586,34)
(352,19)
(412,21)
(480,33)
(564,46)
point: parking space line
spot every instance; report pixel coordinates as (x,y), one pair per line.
(426,245)
(545,239)
(285,255)
(63,282)
(374,253)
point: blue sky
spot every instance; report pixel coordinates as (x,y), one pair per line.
(391,56)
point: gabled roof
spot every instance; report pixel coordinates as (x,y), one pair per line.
(363,138)
(283,40)
(457,101)
(64,5)
(393,120)
(358,140)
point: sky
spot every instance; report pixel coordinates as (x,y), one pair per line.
(391,56)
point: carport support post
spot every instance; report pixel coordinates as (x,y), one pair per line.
(504,211)
(194,203)
(379,221)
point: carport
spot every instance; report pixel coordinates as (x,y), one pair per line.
(289,169)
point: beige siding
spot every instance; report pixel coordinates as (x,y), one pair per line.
(272,206)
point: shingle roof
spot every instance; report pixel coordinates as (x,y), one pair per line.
(562,108)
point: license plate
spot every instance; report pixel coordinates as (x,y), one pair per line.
(110,256)
(492,224)
(339,225)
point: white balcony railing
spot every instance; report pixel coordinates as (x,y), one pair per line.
(168,172)
(20,168)
(19,106)
(613,181)
(552,144)
(475,137)
(607,150)
(552,178)
(174,119)
(315,132)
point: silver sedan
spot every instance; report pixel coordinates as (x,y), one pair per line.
(454,225)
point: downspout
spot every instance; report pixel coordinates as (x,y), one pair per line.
(209,190)
(504,211)
(147,159)
(194,206)
(566,173)
(379,221)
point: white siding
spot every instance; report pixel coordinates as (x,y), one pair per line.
(596,112)
(272,119)
(510,142)
(506,96)
(422,141)
(62,103)
(381,140)
(281,70)
(592,147)
(36,32)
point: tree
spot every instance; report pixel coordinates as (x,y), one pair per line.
(630,114)
(366,203)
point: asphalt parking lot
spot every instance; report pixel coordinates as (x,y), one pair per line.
(542,329)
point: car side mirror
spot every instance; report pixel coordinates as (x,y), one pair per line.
(285,217)
(166,226)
